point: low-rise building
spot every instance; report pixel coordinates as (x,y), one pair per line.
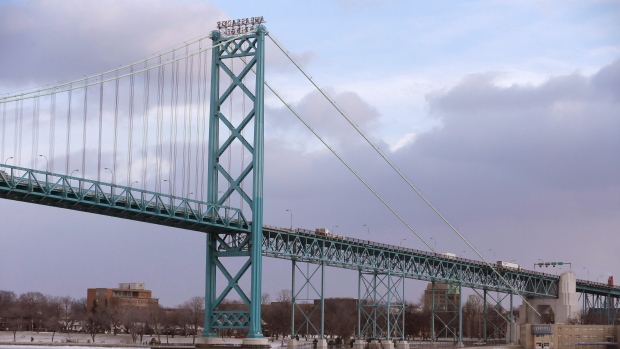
(125,295)
(559,336)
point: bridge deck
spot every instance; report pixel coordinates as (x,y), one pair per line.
(85,195)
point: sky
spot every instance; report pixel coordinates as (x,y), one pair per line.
(505,115)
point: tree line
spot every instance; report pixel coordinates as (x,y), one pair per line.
(34,311)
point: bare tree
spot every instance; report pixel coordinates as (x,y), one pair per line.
(53,315)
(97,319)
(193,314)
(32,304)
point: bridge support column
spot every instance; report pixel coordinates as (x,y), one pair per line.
(484,321)
(433,311)
(303,302)
(381,307)
(512,322)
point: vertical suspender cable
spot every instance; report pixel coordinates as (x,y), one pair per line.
(184,192)
(197,194)
(15,133)
(100,130)
(35,131)
(130,135)
(173,129)
(68,144)
(145,126)
(52,138)
(115,151)
(20,123)
(189,128)
(159,129)
(84,130)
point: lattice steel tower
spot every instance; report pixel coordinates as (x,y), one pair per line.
(246,185)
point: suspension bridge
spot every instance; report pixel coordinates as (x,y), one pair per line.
(184,129)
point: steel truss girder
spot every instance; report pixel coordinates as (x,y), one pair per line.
(415,264)
(245,243)
(53,189)
(381,305)
(74,193)
(307,308)
(600,308)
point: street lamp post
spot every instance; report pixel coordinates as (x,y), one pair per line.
(46,167)
(588,270)
(368,230)
(435,241)
(46,162)
(291,212)
(401,242)
(334,230)
(134,182)
(491,250)
(7,160)
(111,173)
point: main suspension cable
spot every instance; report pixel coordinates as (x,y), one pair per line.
(398,171)
(389,207)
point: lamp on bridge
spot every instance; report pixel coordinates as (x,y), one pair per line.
(46,162)
(368,228)
(401,242)
(291,212)
(7,160)
(588,270)
(132,183)
(111,173)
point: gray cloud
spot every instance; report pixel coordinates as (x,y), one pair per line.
(53,41)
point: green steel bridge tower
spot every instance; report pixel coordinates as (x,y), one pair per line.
(248,49)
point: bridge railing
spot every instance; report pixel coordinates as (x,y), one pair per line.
(20,183)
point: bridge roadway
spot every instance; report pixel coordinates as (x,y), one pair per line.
(51,189)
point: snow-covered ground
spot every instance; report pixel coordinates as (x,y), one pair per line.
(42,340)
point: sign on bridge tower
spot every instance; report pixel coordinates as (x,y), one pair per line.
(240,43)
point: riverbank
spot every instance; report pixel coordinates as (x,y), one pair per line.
(26,338)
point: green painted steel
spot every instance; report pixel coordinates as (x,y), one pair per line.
(305,306)
(249,51)
(51,189)
(600,309)
(381,307)
(369,256)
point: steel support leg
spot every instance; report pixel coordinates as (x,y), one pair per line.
(433,311)
(484,321)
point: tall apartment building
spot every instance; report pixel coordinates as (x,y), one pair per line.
(126,295)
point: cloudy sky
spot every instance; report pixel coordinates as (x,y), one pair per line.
(505,115)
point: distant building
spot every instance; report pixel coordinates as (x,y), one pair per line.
(556,336)
(446,297)
(126,295)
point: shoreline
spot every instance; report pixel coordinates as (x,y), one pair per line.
(104,340)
